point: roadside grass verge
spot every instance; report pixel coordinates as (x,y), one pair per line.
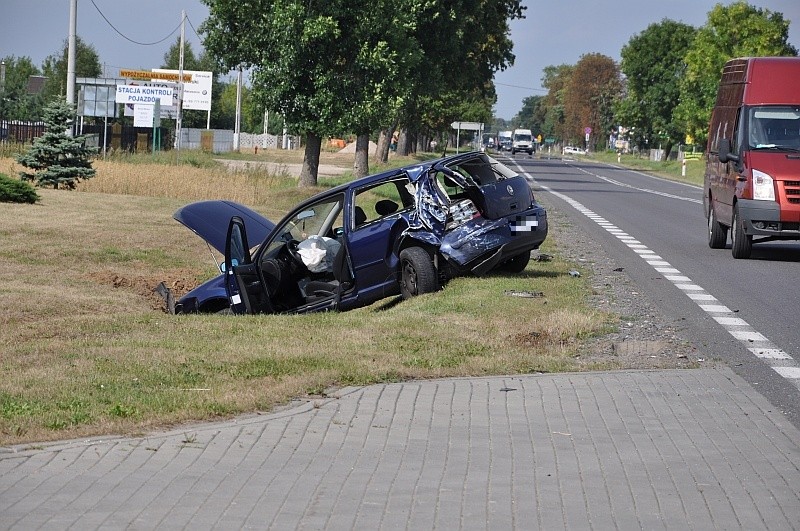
(671,169)
(89,350)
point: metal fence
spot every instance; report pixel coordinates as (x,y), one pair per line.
(20,132)
(116,137)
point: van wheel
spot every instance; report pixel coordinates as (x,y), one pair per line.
(717,232)
(417,274)
(741,243)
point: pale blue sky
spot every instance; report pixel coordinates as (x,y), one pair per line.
(553,32)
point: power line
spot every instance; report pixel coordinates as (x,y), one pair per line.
(194,30)
(520,87)
(128,38)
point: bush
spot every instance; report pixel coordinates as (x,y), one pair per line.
(16,191)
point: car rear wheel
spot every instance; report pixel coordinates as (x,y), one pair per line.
(717,232)
(418,275)
(517,264)
(741,243)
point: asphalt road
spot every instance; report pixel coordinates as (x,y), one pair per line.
(743,312)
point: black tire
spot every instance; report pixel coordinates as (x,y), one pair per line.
(417,274)
(717,232)
(516,264)
(741,243)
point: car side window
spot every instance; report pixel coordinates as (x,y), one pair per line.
(380,201)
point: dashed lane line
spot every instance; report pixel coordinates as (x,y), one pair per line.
(755,342)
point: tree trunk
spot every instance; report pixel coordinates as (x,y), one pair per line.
(310,169)
(382,153)
(402,143)
(361,163)
(667,151)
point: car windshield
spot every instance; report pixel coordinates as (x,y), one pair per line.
(315,220)
(774,127)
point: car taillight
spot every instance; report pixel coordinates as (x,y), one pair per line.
(461,212)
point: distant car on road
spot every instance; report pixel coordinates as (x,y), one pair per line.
(572,150)
(406,231)
(504,139)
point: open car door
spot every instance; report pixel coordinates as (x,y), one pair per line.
(242,281)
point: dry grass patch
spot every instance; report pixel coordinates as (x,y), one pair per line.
(88,350)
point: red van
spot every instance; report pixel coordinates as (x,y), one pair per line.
(752,177)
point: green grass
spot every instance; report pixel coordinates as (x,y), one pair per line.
(88,349)
(671,169)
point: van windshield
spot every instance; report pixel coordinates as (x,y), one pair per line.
(774,127)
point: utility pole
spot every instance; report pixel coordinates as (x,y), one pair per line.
(71,52)
(237,127)
(178,120)
(2,98)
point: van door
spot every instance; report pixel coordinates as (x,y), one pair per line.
(723,176)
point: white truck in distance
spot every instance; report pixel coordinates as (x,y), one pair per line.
(522,141)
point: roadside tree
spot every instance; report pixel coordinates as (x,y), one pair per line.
(532,114)
(736,30)
(305,60)
(555,80)
(87,64)
(653,63)
(15,102)
(56,158)
(594,87)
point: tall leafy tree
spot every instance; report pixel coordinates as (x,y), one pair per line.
(87,64)
(736,30)
(653,64)
(532,116)
(464,42)
(305,59)
(556,79)
(385,55)
(593,89)
(57,158)
(15,102)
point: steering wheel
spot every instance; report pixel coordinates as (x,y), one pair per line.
(292,249)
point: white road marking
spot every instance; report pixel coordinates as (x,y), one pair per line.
(755,342)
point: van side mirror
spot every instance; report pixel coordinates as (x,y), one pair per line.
(724,150)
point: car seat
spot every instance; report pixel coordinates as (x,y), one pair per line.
(341,279)
(384,207)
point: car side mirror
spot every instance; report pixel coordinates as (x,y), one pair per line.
(724,151)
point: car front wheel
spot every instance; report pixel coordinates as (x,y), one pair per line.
(741,243)
(417,273)
(717,232)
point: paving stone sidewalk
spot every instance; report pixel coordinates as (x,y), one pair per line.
(674,449)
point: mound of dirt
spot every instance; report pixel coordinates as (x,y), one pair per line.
(351,148)
(145,287)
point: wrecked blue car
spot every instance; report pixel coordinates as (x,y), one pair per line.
(403,232)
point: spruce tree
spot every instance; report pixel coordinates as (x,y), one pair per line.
(56,158)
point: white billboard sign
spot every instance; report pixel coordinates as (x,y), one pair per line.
(143,115)
(197,92)
(168,112)
(467,126)
(143,95)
